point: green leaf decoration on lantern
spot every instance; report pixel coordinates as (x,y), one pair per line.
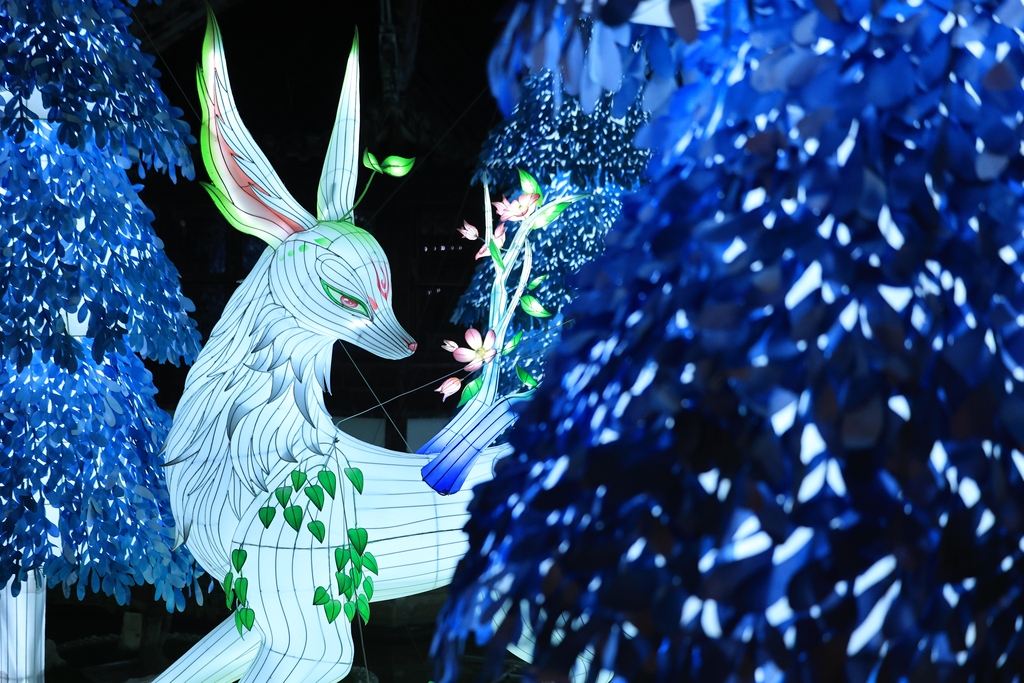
(355,475)
(525,377)
(344,583)
(350,610)
(396,166)
(368,587)
(363,607)
(546,215)
(358,537)
(512,343)
(238,621)
(316,527)
(356,575)
(370,562)
(370,161)
(238,559)
(332,609)
(229,589)
(530,184)
(492,247)
(298,479)
(341,557)
(267,515)
(533,307)
(247,617)
(321,596)
(329,481)
(470,390)
(316,494)
(283,494)
(536,281)
(293,515)
(242,590)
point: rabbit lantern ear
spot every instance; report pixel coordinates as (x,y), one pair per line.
(244,185)
(337,192)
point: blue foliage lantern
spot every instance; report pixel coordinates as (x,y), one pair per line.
(569,152)
(80,430)
(593,51)
(786,441)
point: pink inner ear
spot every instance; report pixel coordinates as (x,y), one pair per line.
(242,180)
(373,303)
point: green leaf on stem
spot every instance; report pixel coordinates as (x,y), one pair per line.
(536,281)
(316,527)
(368,587)
(238,559)
(341,557)
(293,515)
(267,515)
(470,390)
(350,610)
(492,247)
(332,609)
(370,562)
(370,162)
(355,475)
(298,479)
(530,184)
(546,215)
(344,583)
(396,166)
(511,344)
(283,495)
(358,536)
(525,377)
(363,607)
(533,307)
(321,596)
(329,481)
(316,494)
(248,617)
(229,589)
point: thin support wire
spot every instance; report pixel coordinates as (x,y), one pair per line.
(374,394)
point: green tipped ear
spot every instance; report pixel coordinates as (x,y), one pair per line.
(337,192)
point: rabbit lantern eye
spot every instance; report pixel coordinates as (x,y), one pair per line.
(346,301)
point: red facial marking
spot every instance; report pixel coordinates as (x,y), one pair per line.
(373,303)
(383,286)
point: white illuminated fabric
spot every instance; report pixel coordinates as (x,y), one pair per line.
(337,192)
(23,633)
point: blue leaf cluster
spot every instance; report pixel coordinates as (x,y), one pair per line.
(569,152)
(75,236)
(84,448)
(590,51)
(79,429)
(78,60)
(787,440)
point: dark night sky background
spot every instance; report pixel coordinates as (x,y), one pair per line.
(286,62)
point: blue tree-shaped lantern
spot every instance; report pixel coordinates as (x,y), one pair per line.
(84,288)
(786,438)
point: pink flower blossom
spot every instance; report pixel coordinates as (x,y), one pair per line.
(469,231)
(518,208)
(499,241)
(449,387)
(481,350)
(449,345)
